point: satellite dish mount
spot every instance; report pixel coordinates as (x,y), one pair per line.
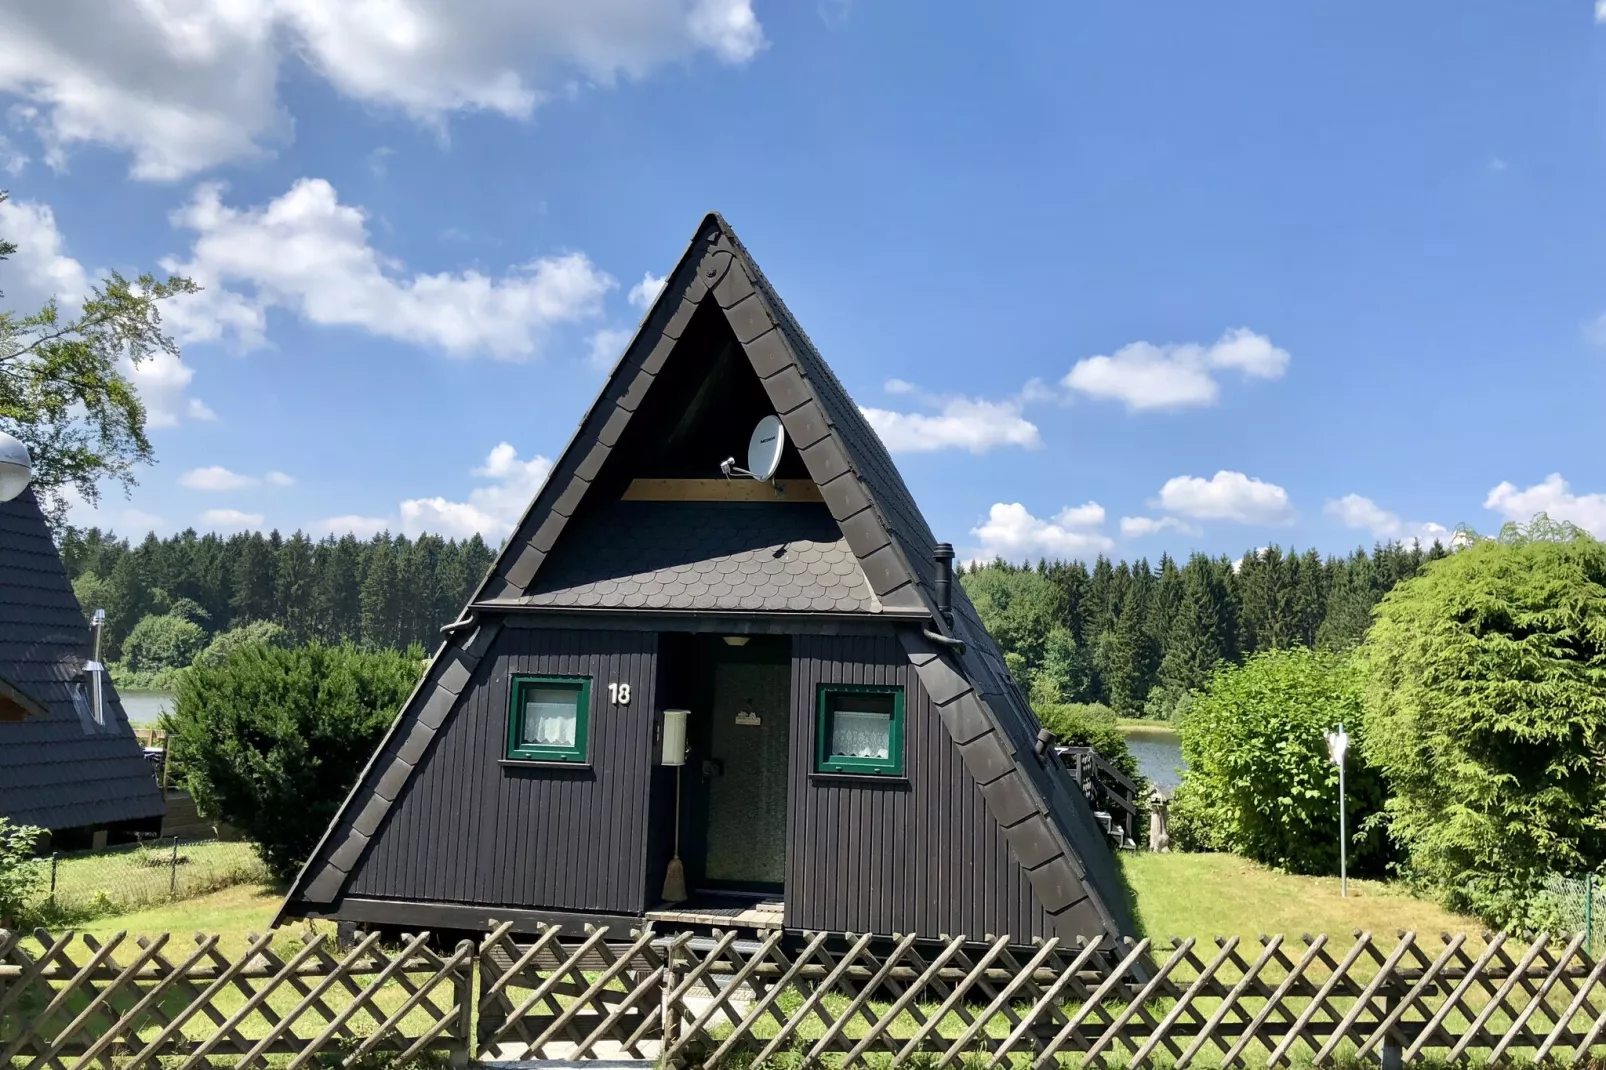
(763,452)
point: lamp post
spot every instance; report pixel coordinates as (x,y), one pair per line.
(1337,744)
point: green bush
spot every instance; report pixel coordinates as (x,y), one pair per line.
(272,740)
(168,641)
(1486,702)
(256,633)
(1089,724)
(1259,780)
(19,869)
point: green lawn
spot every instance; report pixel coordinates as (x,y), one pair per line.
(1142,728)
(233,912)
(126,879)
(1205,895)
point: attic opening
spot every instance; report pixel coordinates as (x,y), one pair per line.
(700,410)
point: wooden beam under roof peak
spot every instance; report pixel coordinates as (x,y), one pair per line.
(721,490)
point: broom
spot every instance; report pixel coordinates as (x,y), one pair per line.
(675,877)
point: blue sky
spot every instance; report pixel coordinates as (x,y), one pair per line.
(1111,277)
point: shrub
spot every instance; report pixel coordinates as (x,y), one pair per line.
(19,869)
(1486,701)
(256,633)
(168,641)
(1089,724)
(272,740)
(1259,780)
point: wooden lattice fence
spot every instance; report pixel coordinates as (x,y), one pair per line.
(77,1001)
(868,1001)
(74,1001)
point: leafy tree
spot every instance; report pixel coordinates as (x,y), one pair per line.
(1019,607)
(166,641)
(1259,780)
(272,740)
(20,869)
(1486,704)
(65,390)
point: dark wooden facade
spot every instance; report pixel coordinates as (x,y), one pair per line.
(862,855)
(737,603)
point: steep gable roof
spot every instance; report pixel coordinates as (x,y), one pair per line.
(58,768)
(1047,822)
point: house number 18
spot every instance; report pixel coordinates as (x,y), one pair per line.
(619,694)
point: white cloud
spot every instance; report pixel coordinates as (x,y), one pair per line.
(1133,527)
(1015,534)
(490,510)
(1600,11)
(307,253)
(163,382)
(364,527)
(1553,497)
(40,269)
(645,292)
(111,515)
(1146,376)
(280,479)
(231,518)
(12,159)
(1226,496)
(184,85)
(215,477)
(1355,511)
(899,386)
(972,424)
(606,345)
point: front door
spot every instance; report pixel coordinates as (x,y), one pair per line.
(746,771)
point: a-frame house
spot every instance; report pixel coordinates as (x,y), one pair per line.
(67,764)
(859,755)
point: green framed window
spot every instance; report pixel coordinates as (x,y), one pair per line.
(549,719)
(859,729)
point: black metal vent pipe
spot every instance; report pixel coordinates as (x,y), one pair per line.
(943,554)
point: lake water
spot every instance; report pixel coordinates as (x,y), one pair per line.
(1159,755)
(144,707)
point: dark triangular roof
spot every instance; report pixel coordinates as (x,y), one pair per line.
(1048,824)
(58,768)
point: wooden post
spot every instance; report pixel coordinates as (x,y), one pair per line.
(1389,1053)
(668,1015)
(172,872)
(463,991)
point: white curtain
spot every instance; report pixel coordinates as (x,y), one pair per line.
(861,734)
(549,717)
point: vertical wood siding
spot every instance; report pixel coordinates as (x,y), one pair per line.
(923,857)
(467,829)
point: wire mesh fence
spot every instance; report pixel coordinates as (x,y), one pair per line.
(1573,902)
(115,880)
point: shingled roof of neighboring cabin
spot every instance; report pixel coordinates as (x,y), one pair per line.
(58,768)
(1047,822)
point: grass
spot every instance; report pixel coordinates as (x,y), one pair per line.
(1206,895)
(233,912)
(1143,728)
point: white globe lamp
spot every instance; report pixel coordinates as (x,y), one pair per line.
(16,467)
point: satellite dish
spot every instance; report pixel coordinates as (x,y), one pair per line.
(16,467)
(764,448)
(763,452)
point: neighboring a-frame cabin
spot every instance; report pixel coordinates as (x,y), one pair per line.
(66,765)
(860,759)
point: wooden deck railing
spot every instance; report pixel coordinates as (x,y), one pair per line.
(72,1001)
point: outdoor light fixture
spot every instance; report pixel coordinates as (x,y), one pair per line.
(675,737)
(736,640)
(16,467)
(1337,745)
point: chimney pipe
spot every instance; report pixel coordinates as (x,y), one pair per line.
(943,554)
(96,670)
